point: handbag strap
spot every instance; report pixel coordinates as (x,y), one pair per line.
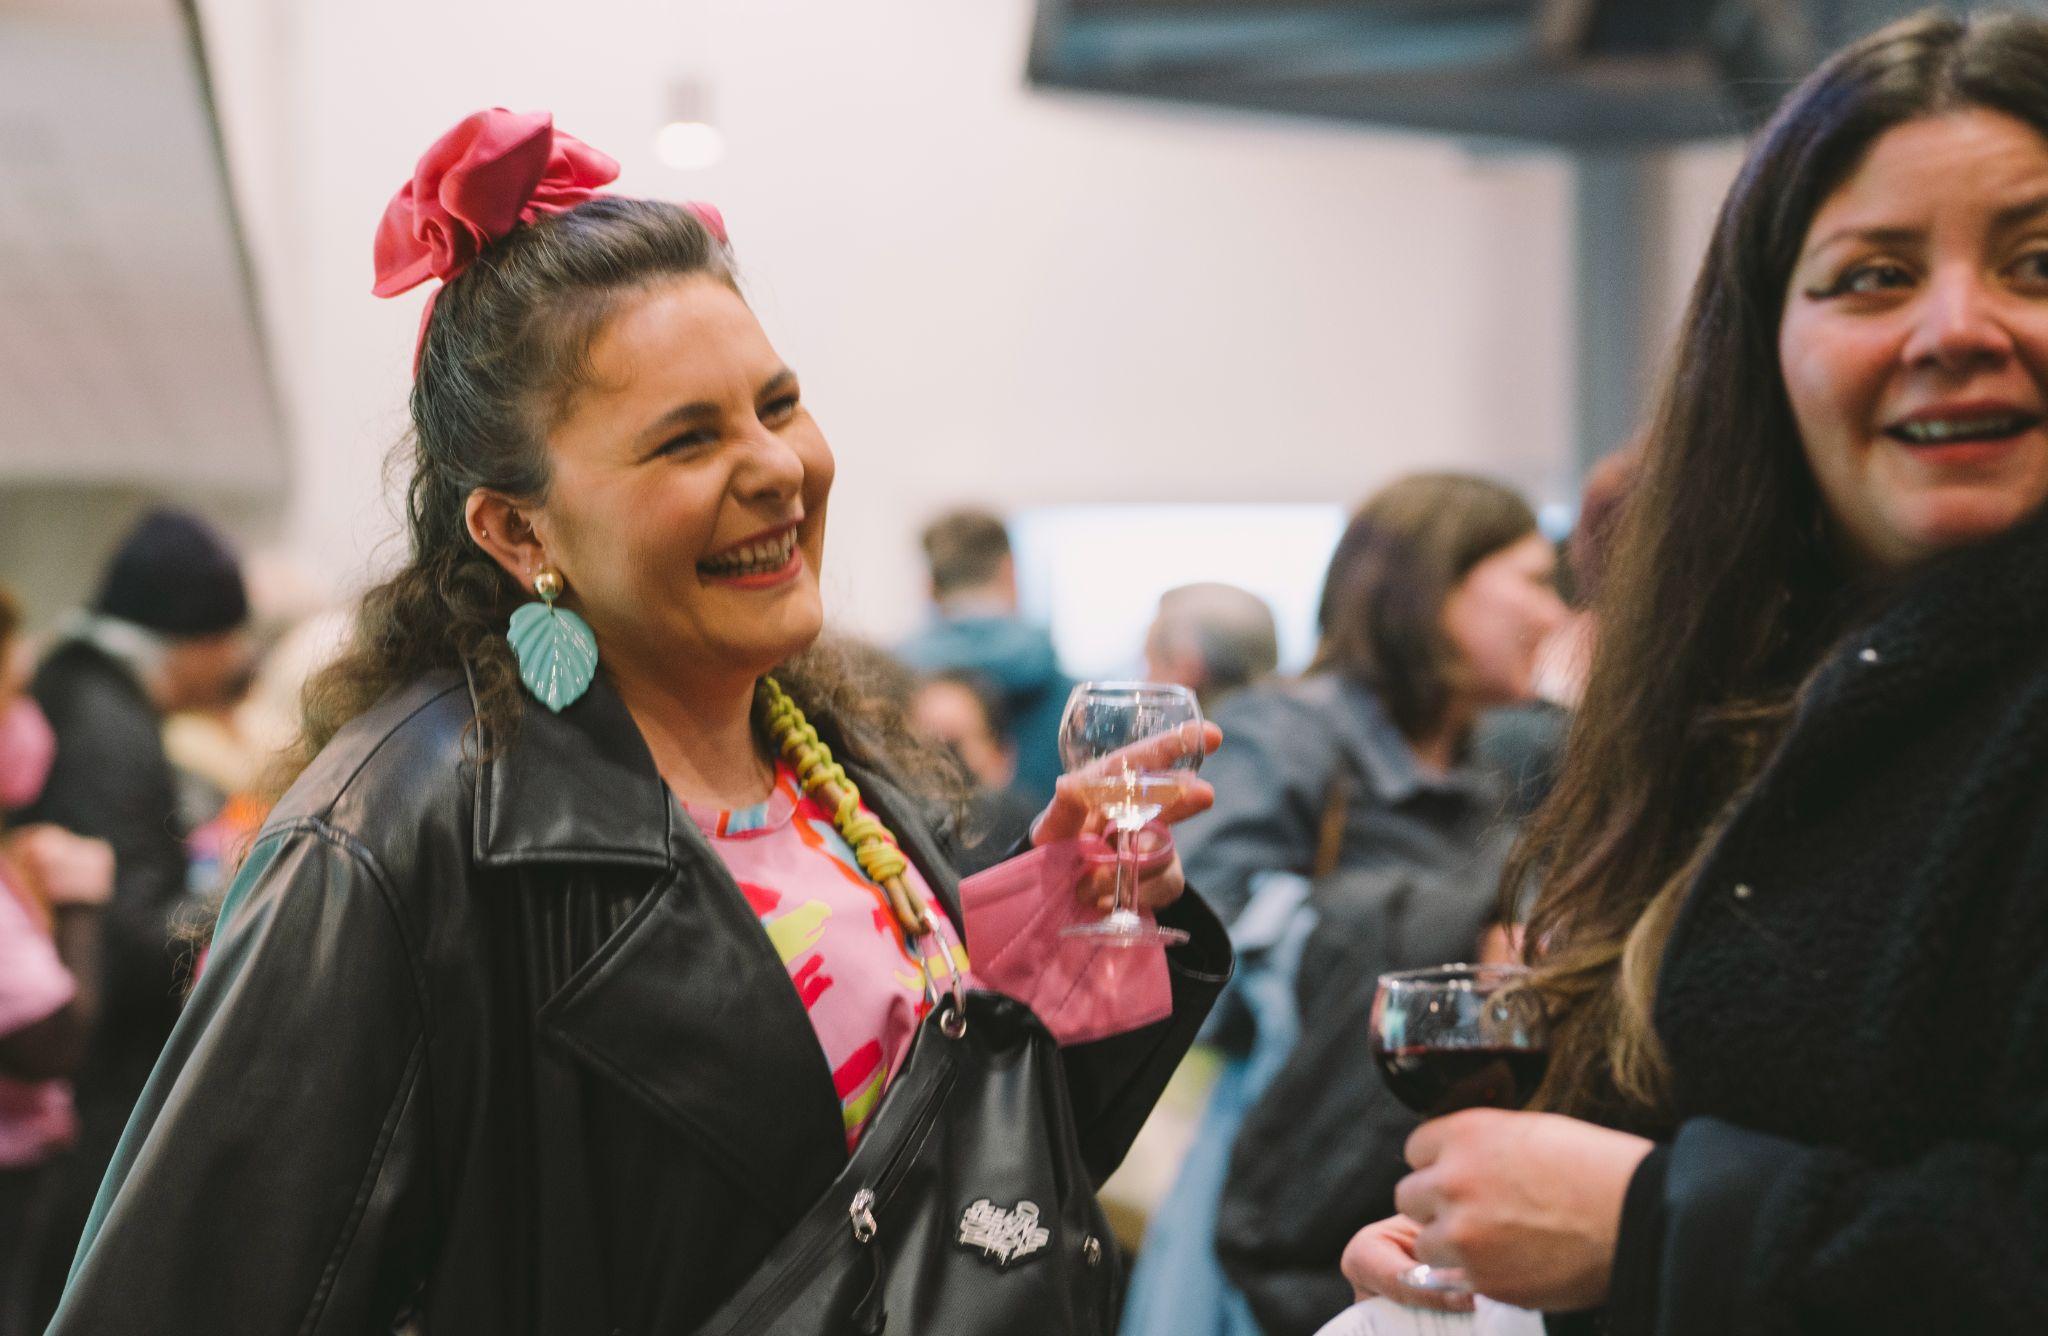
(1330,825)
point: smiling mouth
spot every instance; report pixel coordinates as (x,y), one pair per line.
(764,557)
(1958,430)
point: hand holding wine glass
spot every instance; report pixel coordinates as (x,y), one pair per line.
(1535,1197)
(1133,747)
(1456,1037)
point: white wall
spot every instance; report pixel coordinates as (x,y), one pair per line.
(992,293)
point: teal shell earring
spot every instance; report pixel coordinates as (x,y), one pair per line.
(556,649)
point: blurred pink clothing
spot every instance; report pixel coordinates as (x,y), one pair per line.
(27,746)
(35,1116)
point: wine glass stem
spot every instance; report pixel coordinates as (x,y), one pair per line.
(1125,895)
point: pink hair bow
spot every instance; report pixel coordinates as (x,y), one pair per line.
(494,171)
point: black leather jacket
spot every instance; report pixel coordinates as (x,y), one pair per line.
(499,1044)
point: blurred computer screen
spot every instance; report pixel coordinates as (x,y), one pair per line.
(1094,573)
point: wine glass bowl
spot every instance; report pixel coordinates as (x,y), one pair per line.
(1457,1037)
(1133,745)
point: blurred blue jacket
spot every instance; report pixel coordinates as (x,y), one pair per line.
(1019,659)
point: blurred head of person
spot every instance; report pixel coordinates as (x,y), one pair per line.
(967,552)
(963,712)
(1567,657)
(1211,638)
(1587,551)
(175,577)
(1438,596)
(1861,385)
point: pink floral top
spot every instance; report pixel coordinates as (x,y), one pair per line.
(860,983)
(835,933)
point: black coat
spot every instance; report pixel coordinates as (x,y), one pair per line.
(1288,747)
(1855,997)
(501,1041)
(111,780)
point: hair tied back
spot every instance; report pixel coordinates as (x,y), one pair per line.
(494,171)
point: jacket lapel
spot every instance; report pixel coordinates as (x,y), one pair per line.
(687,1007)
(689,1010)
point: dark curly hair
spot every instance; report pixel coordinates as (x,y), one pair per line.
(505,352)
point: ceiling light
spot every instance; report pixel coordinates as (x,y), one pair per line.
(689,145)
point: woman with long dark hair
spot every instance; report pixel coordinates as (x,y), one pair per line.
(1794,909)
(1437,598)
(566,988)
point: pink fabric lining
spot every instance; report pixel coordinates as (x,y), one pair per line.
(1082,990)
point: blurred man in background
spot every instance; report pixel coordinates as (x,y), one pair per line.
(1211,638)
(977,628)
(164,634)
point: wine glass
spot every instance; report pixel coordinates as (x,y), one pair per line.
(1134,744)
(1457,1037)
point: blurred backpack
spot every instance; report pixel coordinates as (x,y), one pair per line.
(1318,1154)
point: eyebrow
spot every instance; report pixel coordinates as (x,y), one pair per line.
(2013,215)
(2006,219)
(704,410)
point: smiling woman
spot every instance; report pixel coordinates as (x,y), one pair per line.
(1793,915)
(685,517)
(1915,338)
(568,1012)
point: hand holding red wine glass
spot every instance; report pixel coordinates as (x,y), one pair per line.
(1457,1037)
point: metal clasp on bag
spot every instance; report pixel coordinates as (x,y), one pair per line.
(862,1214)
(870,1317)
(952,1021)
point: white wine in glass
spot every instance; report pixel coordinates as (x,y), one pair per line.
(1134,745)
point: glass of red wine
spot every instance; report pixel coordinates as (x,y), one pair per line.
(1457,1037)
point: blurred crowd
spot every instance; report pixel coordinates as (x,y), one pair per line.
(139,736)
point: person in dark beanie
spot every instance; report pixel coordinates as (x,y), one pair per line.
(163,634)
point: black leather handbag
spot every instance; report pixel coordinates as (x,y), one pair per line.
(964,1211)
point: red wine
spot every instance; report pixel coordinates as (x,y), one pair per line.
(1437,1081)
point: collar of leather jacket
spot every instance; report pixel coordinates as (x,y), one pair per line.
(581,786)
(577,785)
